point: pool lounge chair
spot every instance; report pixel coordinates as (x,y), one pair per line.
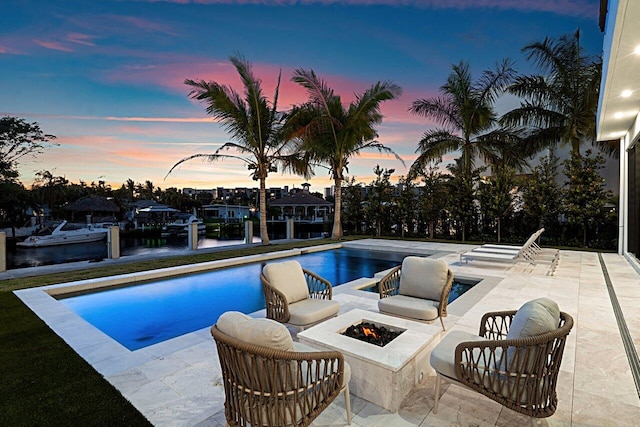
(531,243)
(529,252)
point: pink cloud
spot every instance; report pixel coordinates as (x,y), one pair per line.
(586,8)
(7,50)
(79,38)
(53,45)
(113,118)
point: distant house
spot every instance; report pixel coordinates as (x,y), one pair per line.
(226,213)
(149,212)
(302,206)
(93,208)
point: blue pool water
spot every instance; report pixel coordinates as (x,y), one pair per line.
(142,315)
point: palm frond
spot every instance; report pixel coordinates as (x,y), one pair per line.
(493,82)
(209,157)
(441,109)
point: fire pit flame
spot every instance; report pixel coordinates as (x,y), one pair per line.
(368,332)
(373,334)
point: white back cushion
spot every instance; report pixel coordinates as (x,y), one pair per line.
(535,317)
(423,277)
(288,278)
(263,332)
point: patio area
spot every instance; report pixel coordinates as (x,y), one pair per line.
(178,382)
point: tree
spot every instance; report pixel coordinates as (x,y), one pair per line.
(559,105)
(51,190)
(379,200)
(352,210)
(541,196)
(19,139)
(433,199)
(407,207)
(467,116)
(585,195)
(461,197)
(496,196)
(330,134)
(468,119)
(253,123)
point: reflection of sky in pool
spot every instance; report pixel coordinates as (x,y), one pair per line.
(141,315)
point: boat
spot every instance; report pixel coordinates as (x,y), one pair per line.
(181,222)
(64,234)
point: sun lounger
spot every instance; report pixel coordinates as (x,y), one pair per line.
(530,252)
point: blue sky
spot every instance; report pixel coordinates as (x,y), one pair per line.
(106,77)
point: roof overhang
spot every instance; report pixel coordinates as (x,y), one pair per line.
(619,103)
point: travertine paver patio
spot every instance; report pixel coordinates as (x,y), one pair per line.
(177,383)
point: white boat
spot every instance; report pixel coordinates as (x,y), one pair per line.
(181,222)
(65,234)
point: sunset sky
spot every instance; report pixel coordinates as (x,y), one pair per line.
(107,77)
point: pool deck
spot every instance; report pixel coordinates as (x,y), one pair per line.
(178,382)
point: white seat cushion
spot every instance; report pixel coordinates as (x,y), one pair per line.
(288,278)
(263,332)
(312,310)
(405,306)
(443,355)
(423,277)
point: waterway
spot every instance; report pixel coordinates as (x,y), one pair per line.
(19,257)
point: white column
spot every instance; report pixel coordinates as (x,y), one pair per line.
(113,242)
(3,251)
(290,230)
(623,203)
(248,232)
(193,236)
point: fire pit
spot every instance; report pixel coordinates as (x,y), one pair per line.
(372,333)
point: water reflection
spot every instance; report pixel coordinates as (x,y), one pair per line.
(19,257)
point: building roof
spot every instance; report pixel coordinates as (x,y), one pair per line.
(93,203)
(300,198)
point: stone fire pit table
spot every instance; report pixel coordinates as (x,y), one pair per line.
(381,375)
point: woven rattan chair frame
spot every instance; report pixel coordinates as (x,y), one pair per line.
(267,387)
(276,302)
(526,380)
(389,286)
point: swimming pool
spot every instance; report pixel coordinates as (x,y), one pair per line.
(149,313)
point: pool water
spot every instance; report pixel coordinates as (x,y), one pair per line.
(458,287)
(142,315)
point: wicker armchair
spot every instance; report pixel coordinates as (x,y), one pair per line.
(418,289)
(272,385)
(296,296)
(519,373)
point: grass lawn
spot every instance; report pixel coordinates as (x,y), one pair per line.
(43,381)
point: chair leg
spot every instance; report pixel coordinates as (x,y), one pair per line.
(442,322)
(437,398)
(347,403)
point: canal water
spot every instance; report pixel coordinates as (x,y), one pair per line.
(19,257)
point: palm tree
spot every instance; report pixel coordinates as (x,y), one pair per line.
(330,134)
(465,110)
(559,106)
(253,123)
(467,116)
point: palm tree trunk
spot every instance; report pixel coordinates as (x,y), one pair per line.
(264,235)
(499,228)
(337,215)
